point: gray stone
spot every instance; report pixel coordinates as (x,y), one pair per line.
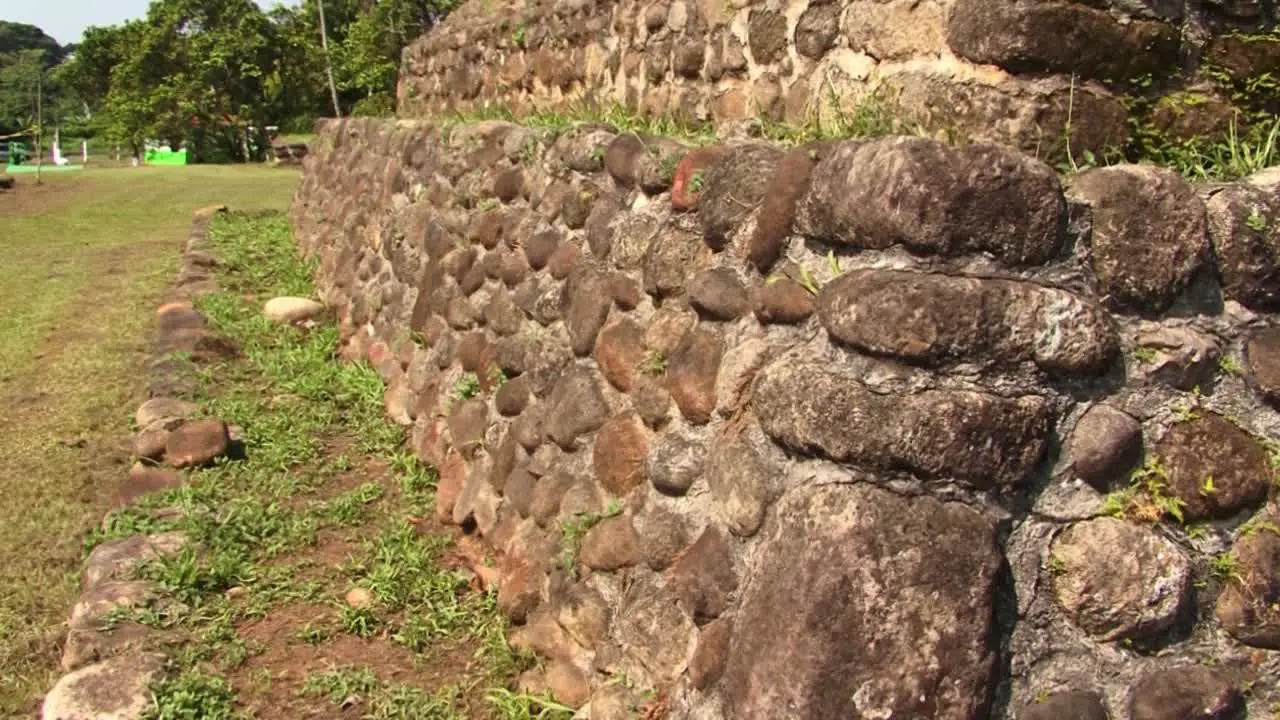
(1117,580)
(675,462)
(854,561)
(655,634)
(117,559)
(934,199)
(116,689)
(1244,225)
(1060,38)
(1074,705)
(1210,447)
(743,482)
(1247,607)
(983,440)
(1105,445)
(292,309)
(719,294)
(1149,233)
(1179,357)
(734,187)
(1181,693)
(935,319)
(163,409)
(585,306)
(576,407)
(1262,359)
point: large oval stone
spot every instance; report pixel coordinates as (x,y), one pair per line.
(935,319)
(1118,580)
(981,439)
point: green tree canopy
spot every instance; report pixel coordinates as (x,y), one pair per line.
(212,73)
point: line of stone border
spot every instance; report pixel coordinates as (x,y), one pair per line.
(109,672)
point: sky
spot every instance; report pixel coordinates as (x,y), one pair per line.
(65,20)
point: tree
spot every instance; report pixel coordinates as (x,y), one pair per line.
(211,74)
(18,36)
(21,79)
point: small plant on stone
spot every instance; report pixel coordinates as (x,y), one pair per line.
(488,204)
(1186,411)
(808,281)
(1056,565)
(529,151)
(1200,531)
(654,363)
(1256,220)
(1225,567)
(1257,525)
(468,386)
(497,377)
(598,153)
(1146,498)
(1229,365)
(833,263)
(1207,488)
(696,182)
(667,166)
(1145,355)
(517,37)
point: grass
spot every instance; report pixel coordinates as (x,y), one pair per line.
(322,461)
(87,255)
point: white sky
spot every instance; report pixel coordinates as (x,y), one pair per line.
(65,20)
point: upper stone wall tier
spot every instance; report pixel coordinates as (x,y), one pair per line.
(862,429)
(1008,71)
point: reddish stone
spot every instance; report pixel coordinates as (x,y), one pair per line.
(783,301)
(141,480)
(689,175)
(619,351)
(196,443)
(620,452)
(692,371)
(563,260)
(611,545)
(453,474)
(707,663)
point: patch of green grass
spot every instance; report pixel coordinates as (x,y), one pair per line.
(87,256)
(349,508)
(192,696)
(378,700)
(520,706)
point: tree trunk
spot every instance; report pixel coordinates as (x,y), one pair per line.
(328,65)
(39,125)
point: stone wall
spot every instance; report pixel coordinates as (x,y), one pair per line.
(841,431)
(990,70)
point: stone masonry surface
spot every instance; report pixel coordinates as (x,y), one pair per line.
(1028,73)
(774,446)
